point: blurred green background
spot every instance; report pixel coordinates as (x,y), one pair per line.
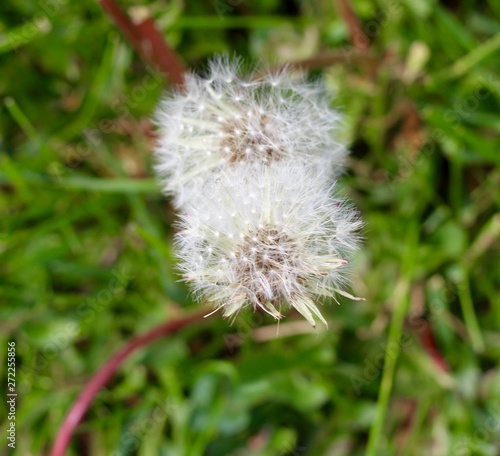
(86,257)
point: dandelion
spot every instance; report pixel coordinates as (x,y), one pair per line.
(226,120)
(268,240)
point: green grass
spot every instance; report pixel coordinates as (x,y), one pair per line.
(80,205)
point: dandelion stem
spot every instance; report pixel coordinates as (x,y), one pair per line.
(106,372)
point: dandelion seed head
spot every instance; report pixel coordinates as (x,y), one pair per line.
(243,120)
(270,265)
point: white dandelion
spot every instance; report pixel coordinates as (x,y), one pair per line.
(270,240)
(227,119)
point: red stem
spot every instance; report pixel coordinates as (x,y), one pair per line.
(356,35)
(148,42)
(103,375)
(430,345)
(151,46)
(156,50)
(426,336)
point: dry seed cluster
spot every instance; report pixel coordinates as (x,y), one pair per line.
(251,163)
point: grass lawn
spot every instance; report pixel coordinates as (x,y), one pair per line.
(87,261)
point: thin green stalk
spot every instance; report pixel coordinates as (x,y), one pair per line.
(470,318)
(468,61)
(26,126)
(95,94)
(401,297)
(487,238)
(417,422)
(15,177)
(20,118)
(21,35)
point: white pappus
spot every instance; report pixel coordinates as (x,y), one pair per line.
(269,239)
(226,119)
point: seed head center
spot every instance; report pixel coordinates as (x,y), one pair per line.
(249,139)
(266,255)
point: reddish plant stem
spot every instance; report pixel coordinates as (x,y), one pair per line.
(148,42)
(104,374)
(156,50)
(430,345)
(426,336)
(356,36)
(151,46)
